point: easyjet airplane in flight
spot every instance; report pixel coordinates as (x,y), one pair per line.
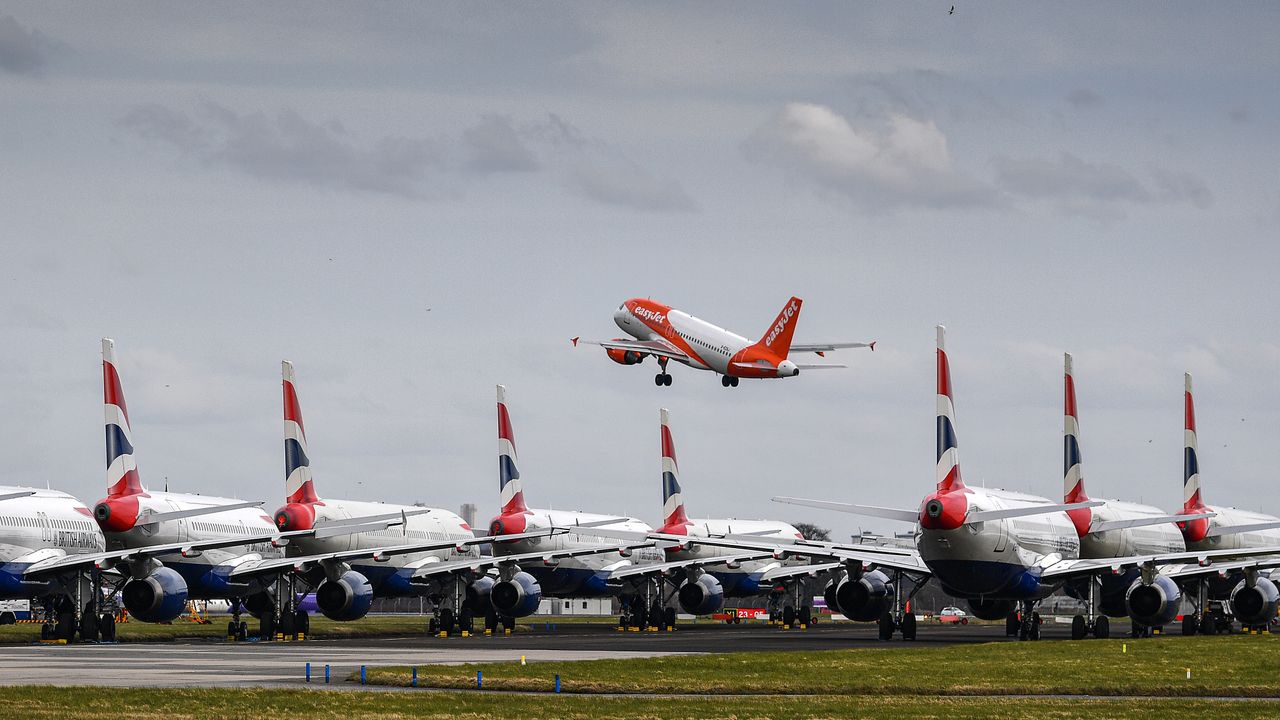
(669,334)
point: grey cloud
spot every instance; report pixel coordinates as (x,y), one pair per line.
(616,180)
(1081,98)
(22,51)
(496,146)
(1078,184)
(901,161)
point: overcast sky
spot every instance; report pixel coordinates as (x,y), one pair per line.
(414,202)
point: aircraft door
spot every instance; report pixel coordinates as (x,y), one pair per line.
(1002,535)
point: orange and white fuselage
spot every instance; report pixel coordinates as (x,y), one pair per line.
(708,347)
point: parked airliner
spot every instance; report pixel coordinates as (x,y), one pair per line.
(670,334)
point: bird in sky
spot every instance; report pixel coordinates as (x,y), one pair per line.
(953,10)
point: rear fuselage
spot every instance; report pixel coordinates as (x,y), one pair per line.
(41,527)
(744,579)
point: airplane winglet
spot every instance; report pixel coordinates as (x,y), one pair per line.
(574,340)
(873,345)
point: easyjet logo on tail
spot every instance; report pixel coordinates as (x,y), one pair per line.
(783,319)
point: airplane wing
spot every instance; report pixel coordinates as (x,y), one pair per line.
(548,558)
(664,568)
(787,571)
(971,517)
(652,347)
(824,347)
(105,560)
(1065,569)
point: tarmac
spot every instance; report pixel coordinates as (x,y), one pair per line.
(283,664)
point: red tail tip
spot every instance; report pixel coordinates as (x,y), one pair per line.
(873,346)
(574,340)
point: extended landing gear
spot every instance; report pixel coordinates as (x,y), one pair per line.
(662,378)
(1082,625)
(1029,622)
(728,381)
(899,617)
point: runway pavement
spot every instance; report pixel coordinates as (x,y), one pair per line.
(222,664)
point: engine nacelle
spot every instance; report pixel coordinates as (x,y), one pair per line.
(158,597)
(478,593)
(1154,604)
(864,598)
(625,357)
(990,608)
(1255,605)
(702,596)
(347,598)
(516,597)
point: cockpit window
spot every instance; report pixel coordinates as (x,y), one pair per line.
(623,306)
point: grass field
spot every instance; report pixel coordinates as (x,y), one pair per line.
(321,628)
(96,703)
(1239,665)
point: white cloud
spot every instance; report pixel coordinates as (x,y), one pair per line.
(901,162)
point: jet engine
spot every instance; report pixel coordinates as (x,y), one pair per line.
(347,598)
(1255,605)
(478,593)
(990,608)
(1155,604)
(516,597)
(625,357)
(702,596)
(863,598)
(158,597)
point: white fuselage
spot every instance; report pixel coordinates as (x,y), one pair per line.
(435,525)
(1125,542)
(712,347)
(741,579)
(41,527)
(999,558)
(572,575)
(1229,516)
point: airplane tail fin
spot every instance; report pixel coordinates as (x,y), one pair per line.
(1191,499)
(672,498)
(1072,464)
(512,496)
(298,484)
(122,469)
(777,339)
(948,449)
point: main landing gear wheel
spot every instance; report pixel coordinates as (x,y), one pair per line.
(728,381)
(267,626)
(491,621)
(1079,628)
(639,616)
(107,627)
(909,626)
(657,615)
(805,616)
(1189,624)
(886,627)
(302,622)
(1011,625)
(447,619)
(670,616)
(662,379)
(1102,627)
(466,620)
(789,616)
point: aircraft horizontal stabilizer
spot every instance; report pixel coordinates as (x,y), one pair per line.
(16,495)
(823,347)
(978,516)
(1237,529)
(1099,526)
(869,510)
(819,366)
(156,518)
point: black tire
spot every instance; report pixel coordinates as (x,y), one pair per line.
(657,615)
(242,632)
(909,626)
(639,617)
(886,627)
(233,628)
(107,627)
(267,626)
(1102,627)
(302,622)
(508,623)
(46,631)
(789,615)
(1190,626)
(1034,633)
(733,382)
(1011,625)
(288,627)
(491,620)
(657,380)
(666,379)
(8,618)
(1136,630)
(806,616)
(670,616)
(1079,628)
(66,627)
(89,627)
(433,626)
(447,620)
(466,620)
(725,380)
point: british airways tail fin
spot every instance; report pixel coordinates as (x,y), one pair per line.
(948,448)
(1072,463)
(1191,499)
(672,498)
(122,469)
(298,484)
(512,492)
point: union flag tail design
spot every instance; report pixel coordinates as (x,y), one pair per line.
(1072,465)
(672,498)
(298,485)
(512,497)
(777,339)
(1191,461)
(122,469)
(948,449)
